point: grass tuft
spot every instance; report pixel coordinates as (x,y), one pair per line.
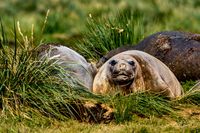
(192,93)
(141,104)
(30,83)
(105,34)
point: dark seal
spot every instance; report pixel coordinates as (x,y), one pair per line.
(180,51)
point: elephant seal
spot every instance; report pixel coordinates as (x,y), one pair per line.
(133,71)
(180,51)
(76,68)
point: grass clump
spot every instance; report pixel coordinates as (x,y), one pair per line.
(29,85)
(141,104)
(106,34)
(192,93)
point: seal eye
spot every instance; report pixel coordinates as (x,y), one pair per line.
(132,63)
(113,62)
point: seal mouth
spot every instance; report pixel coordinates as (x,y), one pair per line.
(122,76)
(122,79)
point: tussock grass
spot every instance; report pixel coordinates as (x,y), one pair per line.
(142,104)
(192,93)
(106,34)
(29,84)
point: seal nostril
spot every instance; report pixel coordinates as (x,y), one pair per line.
(113,62)
(122,66)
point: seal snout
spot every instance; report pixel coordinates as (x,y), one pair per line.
(122,66)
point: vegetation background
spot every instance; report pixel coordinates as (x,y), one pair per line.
(91,27)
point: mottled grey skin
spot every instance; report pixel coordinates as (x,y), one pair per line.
(180,51)
(76,67)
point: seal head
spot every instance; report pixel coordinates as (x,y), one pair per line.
(122,71)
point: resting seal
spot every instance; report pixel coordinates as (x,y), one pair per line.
(180,51)
(76,67)
(133,71)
